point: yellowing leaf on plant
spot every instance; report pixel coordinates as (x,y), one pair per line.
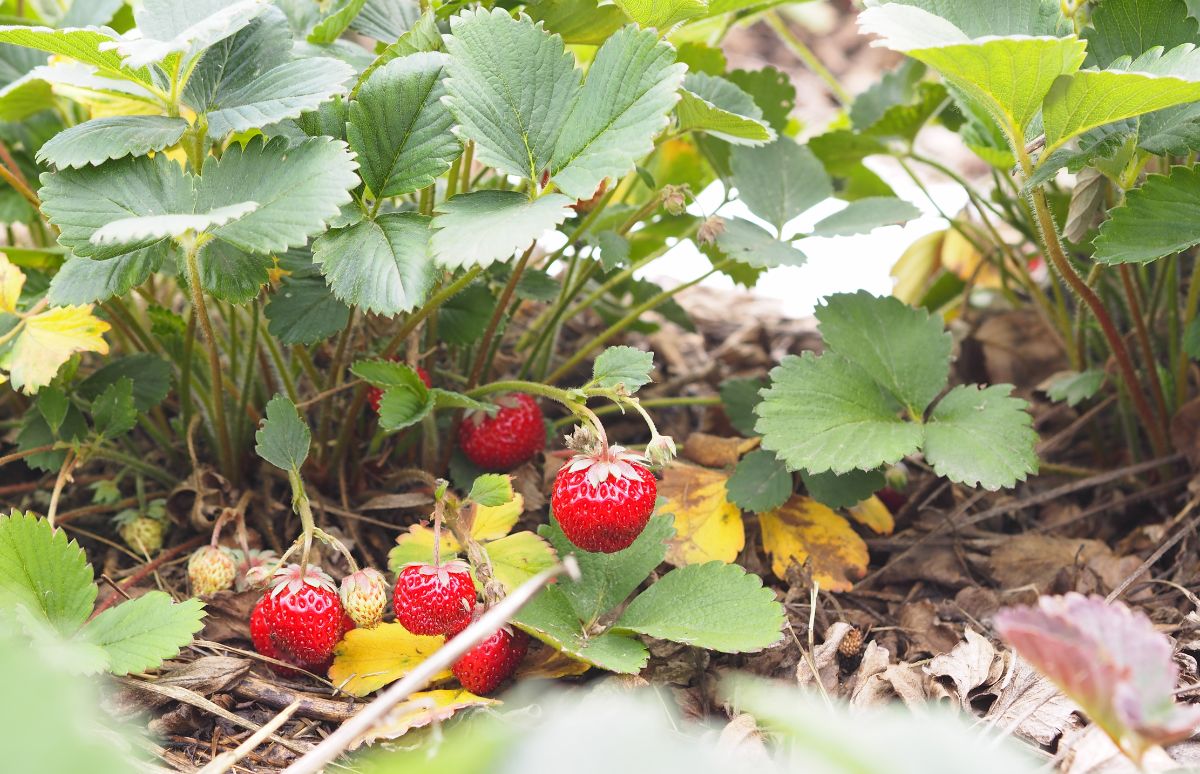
(874,515)
(549,663)
(421,709)
(497,521)
(12,280)
(48,340)
(368,659)
(961,257)
(416,545)
(803,530)
(518,557)
(707,525)
(916,267)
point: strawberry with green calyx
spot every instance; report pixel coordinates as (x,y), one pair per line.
(437,598)
(514,435)
(300,619)
(484,667)
(211,569)
(364,596)
(604,498)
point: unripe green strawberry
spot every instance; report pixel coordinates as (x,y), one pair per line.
(143,533)
(211,570)
(364,596)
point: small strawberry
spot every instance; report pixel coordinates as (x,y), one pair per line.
(364,596)
(142,533)
(254,569)
(300,620)
(211,569)
(603,499)
(502,442)
(434,599)
(375,395)
(492,661)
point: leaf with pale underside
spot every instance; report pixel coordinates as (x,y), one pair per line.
(631,86)
(865,215)
(779,182)
(103,139)
(715,106)
(981,437)
(511,87)
(399,127)
(381,265)
(169,226)
(169,27)
(482,227)
(750,244)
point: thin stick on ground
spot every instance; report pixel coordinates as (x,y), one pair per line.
(227,760)
(499,615)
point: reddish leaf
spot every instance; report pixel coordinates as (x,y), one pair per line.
(1108,659)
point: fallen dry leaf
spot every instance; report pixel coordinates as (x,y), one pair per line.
(1037,560)
(825,656)
(1030,706)
(368,659)
(707,525)
(803,530)
(874,515)
(421,709)
(971,664)
(925,632)
(714,451)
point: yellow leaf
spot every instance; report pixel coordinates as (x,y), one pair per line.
(547,663)
(421,709)
(416,545)
(368,659)
(497,521)
(874,515)
(707,525)
(803,530)
(961,258)
(916,267)
(12,280)
(518,557)
(48,340)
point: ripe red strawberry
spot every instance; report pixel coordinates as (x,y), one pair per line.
(893,499)
(603,500)
(431,599)
(375,395)
(299,620)
(492,661)
(502,442)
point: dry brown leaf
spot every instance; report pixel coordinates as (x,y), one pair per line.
(970,665)
(205,676)
(546,663)
(925,632)
(394,502)
(874,515)
(825,656)
(714,451)
(868,687)
(1036,560)
(741,740)
(803,530)
(1090,751)
(707,525)
(1029,705)
(421,709)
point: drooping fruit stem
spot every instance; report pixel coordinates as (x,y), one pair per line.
(481,563)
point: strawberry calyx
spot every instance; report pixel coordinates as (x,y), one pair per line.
(294,578)
(442,569)
(366,580)
(614,462)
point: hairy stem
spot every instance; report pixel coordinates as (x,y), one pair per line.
(200,309)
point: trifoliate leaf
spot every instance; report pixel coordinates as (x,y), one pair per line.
(44,573)
(167,27)
(381,265)
(760,482)
(368,659)
(826,413)
(511,87)
(707,525)
(607,580)
(400,128)
(865,215)
(550,618)
(631,86)
(970,65)
(113,411)
(662,14)
(491,489)
(748,243)
(482,227)
(283,438)
(103,139)
(140,634)
(905,349)
(780,181)
(715,605)
(842,491)
(48,340)
(803,532)
(623,366)
(303,310)
(981,437)
(715,106)
(1156,220)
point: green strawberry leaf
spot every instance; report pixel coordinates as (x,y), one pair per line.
(43,572)
(150,374)
(491,490)
(713,605)
(380,265)
(739,398)
(1160,218)
(607,580)
(103,139)
(511,87)
(283,438)
(760,482)
(303,310)
(386,374)
(780,181)
(140,634)
(826,413)
(336,21)
(550,618)
(623,366)
(749,244)
(113,411)
(842,491)
(85,281)
(1074,387)
(662,14)
(715,106)
(866,215)
(168,28)
(92,47)
(981,437)
(482,227)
